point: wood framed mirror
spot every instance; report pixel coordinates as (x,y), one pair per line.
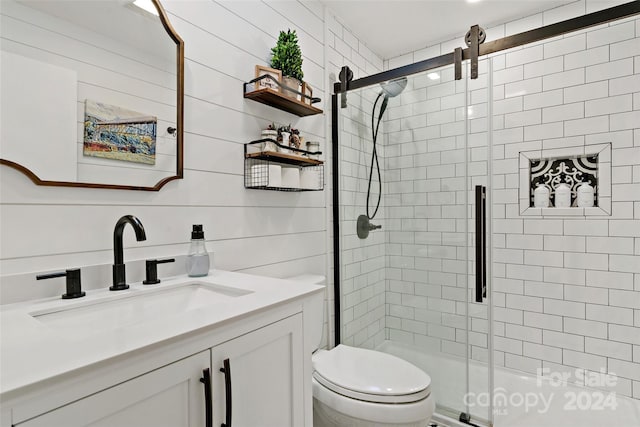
(92,93)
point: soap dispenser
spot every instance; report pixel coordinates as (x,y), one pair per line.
(198,257)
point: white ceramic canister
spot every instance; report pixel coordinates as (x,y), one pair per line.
(563,196)
(285,141)
(586,195)
(313,147)
(541,197)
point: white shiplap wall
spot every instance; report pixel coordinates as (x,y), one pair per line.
(272,233)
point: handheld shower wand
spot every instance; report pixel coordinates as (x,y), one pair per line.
(390,89)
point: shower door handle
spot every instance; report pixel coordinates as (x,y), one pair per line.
(481,239)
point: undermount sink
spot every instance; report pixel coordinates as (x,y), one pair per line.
(136,307)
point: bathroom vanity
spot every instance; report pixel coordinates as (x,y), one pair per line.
(228,349)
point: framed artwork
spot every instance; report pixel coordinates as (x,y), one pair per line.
(261,70)
(116,133)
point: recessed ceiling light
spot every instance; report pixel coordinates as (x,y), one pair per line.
(434,76)
(147,5)
(473,1)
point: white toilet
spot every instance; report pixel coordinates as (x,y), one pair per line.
(356,387)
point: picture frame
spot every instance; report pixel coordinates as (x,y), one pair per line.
(261,70)
(308,91)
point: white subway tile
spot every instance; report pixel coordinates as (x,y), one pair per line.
(523,87)
(622,174)
(586,294)
(543,226)
(604,313)
(543,321)
(609,70)
(524,56)
(543,289)
(521,302)
(573,78)
(621,298)
(624,228)
(625,49)
(545,131)
(610,279)
(564,308)
(584,360)
(544,258)
(586,57)
(627,334)
(594,227)
(623,121)
(586,126)
(540,68)
(586,92)
(524,241)
(507,345)
(611,105)
(544,99)
(564,243)
(625,369)
(564,275)
(611,245)
(523,333)
(611,34)
(509,315)
(562,340)
(586,260)
(624,263)
(524,272)
(563,112)
(565,45)
(543,352)
(581,327)
(624,85)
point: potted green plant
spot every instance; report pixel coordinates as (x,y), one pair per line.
(287,57)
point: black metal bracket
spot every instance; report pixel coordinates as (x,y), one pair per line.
(474,41)
(345,76)
(457,60)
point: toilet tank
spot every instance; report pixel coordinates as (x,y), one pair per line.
(315,309)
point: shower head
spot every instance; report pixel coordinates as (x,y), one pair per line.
(394,87)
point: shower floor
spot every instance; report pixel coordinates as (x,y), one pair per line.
(549,405)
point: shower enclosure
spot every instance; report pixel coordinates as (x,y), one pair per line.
(466,274)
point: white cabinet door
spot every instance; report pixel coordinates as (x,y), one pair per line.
(266,377)
(171,396)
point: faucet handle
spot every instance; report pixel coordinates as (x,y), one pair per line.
(74,286)
(152,270)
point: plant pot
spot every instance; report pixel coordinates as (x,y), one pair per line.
(294,84)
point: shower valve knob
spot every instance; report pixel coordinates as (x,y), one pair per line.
(364,226)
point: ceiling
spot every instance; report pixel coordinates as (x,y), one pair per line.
(393,27)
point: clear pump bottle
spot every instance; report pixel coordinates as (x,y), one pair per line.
(198,257)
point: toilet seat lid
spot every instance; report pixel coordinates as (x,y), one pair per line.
(369,375)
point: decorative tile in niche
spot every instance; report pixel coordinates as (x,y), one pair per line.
(569,165)
(571,171)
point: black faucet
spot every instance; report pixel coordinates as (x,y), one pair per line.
(119,275)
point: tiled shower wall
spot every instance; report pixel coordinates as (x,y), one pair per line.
(363,272)
(429,238)
(362,269)
(566,289)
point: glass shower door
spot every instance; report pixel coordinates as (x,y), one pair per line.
(408,288)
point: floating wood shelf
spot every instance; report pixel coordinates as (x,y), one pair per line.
(278,100)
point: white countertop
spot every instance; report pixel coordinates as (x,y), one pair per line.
(32,351)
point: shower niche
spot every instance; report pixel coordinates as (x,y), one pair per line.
(572,181)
